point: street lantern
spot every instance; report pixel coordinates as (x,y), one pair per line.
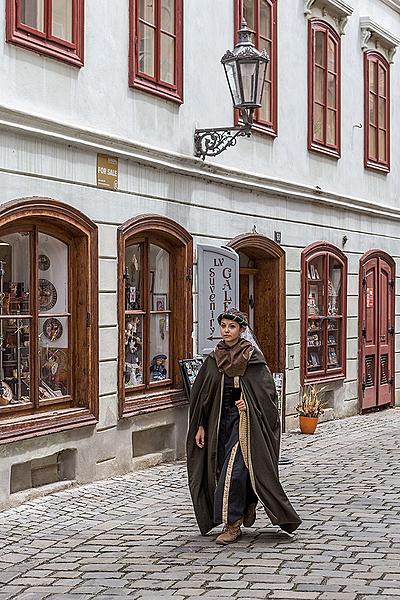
(245,70)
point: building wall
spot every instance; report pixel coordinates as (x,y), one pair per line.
(54,120)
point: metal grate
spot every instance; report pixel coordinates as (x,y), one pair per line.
(369,371)
(384,369)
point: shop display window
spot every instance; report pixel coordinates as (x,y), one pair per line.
(47,304)
(51,27)
(324,273)
(154,290)
(147,315)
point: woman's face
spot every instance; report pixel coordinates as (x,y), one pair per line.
(230,331)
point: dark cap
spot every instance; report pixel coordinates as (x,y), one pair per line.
(234,315)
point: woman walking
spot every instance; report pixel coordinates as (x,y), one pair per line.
(234,437)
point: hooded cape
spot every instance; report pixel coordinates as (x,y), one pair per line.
(259,440)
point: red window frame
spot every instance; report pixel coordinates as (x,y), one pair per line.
(45,43)
(268,127)
(143,81)
(382,164)
(330,35)
(325,252)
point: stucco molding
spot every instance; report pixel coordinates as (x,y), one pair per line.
(89,140)
(372,32)
(338,9)
(394,4)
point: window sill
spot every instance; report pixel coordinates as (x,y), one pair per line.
(324,378)
(324,150)
(156,90)
(45,48)
(43,423)
(372,166)
(153,402)
(260,129)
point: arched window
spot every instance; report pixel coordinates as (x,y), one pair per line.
(155,312)
(48,318)
(377,111)
(324,89)
(323,313)
(262,18)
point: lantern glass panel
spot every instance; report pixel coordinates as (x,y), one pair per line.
(248,71)
(262,68)
(233,81)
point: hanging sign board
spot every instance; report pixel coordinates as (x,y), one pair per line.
(107,172)
(218,290)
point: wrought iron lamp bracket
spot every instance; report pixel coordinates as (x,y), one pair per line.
(211,142)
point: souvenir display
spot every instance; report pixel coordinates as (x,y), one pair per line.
(6,394)
(133,352)
(132,277)
(189,369)
(44,262)
(14,347)
(47,295)
(158,372)
(52,329)
(54,372)
(160,302)
(324,323)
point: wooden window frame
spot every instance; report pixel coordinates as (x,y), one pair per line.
(371,163)
(169,235)
(45,43)
(80,233)
(315,145)
(269,128)
(145,82)
(310,253)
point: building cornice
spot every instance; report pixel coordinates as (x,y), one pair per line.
(394,4)
(36,126)
(372,31)
(338,9)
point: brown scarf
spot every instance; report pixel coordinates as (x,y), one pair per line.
(232,360)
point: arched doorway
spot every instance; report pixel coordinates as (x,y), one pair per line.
(376,326)
(262,294)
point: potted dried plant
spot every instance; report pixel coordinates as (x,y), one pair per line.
(310,408)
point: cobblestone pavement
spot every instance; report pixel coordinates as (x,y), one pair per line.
(135,536)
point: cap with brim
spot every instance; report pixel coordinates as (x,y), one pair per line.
(233,316)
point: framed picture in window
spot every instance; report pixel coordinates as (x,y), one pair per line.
(190,368)
(160,302)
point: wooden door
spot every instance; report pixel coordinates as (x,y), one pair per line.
(376,333)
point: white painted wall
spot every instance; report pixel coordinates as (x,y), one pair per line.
(98,97)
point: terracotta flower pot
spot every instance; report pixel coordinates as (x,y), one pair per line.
(308,424)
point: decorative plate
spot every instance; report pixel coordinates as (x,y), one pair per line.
(47,294)
(52,329)
(44,262)
(6,392)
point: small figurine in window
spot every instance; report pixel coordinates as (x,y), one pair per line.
(157,368)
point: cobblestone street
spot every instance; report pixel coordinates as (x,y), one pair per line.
(135,536)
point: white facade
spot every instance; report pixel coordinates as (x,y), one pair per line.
(55,118)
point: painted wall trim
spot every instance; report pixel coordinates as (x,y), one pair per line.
(22,123)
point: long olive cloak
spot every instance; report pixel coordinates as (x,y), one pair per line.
(262,442)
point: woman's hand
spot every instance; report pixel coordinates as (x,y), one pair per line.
(200,437)
(241,405)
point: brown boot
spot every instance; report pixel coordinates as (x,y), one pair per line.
(230,533)
(249,515)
